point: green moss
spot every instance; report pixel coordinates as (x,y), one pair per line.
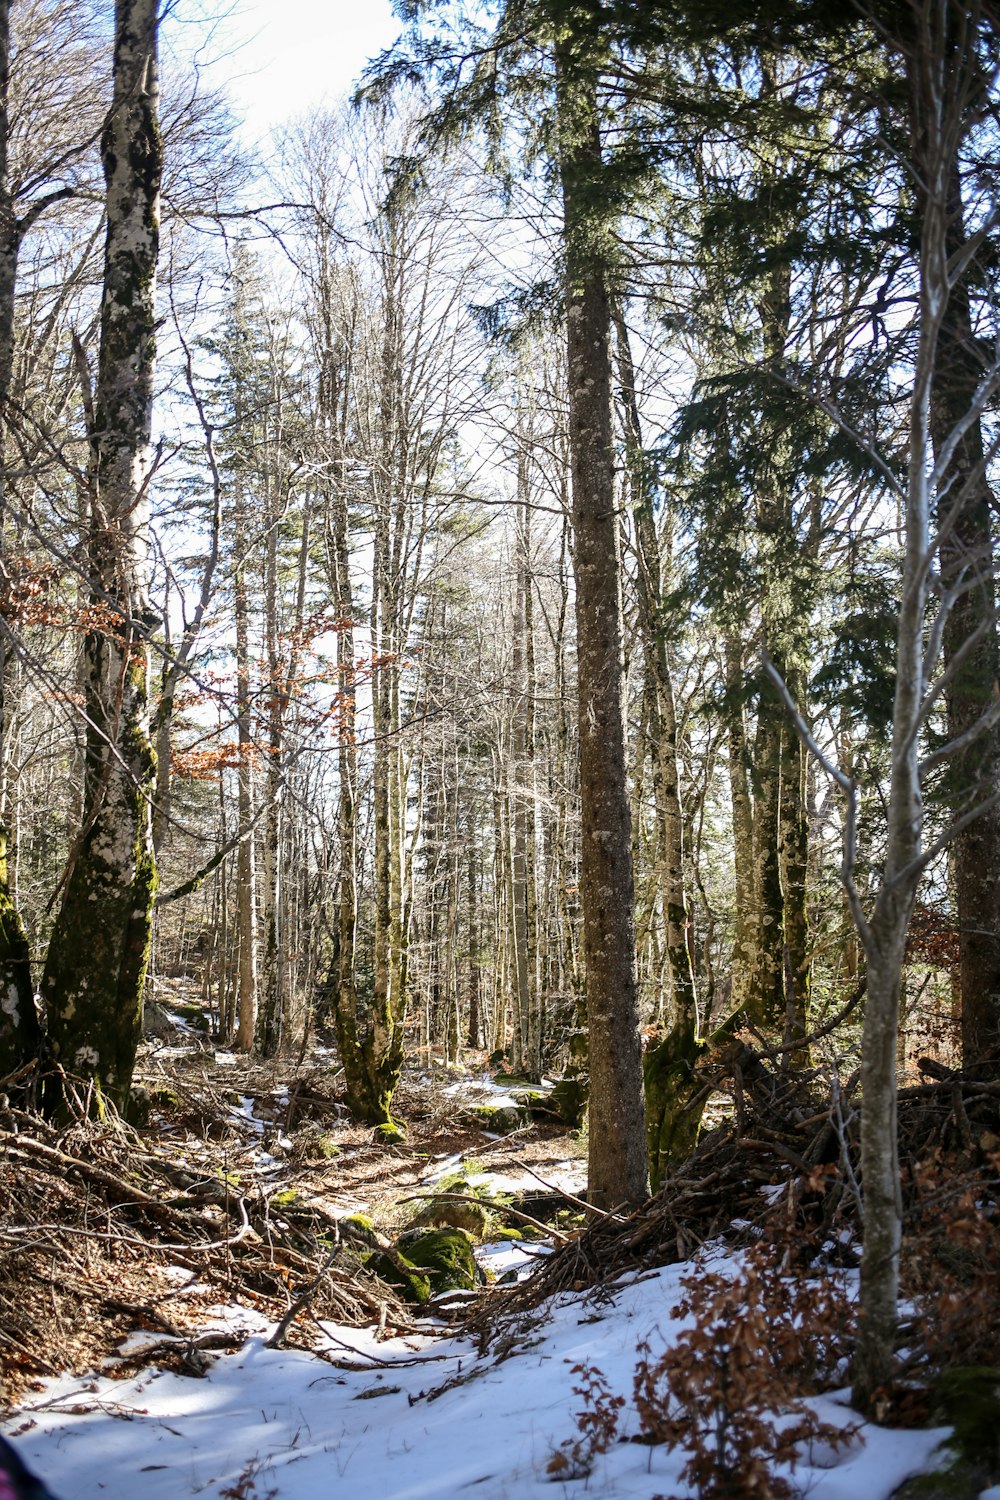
(672,1125)
(445,1255)
(460,1213)
(568,1100)
(390,1133)
(502,1119)
(359,1227)
(399,1272)
(968,1397)
(290,1198)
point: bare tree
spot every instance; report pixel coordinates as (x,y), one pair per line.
(941,55)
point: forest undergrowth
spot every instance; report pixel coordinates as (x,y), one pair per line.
(250,1185)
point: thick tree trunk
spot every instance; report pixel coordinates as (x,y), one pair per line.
(617,1159)
(96,964)
(967,563)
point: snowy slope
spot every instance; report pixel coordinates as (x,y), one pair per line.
(295,1426)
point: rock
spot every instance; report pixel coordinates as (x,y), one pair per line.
(568,1100)
(969,1398)
(359,1228)
(445,1255)
(502,1119)
(458,1213)
(398,1271)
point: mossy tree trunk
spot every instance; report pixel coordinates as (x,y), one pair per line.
(96,964)
(617,1171)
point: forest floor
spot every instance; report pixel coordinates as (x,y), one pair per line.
(178,1312)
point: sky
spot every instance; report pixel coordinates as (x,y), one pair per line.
(281,58)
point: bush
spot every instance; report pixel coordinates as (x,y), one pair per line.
(730,1389)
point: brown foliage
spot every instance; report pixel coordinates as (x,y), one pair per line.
(729,1389)
(951,1262)
(598,1424)
(759,1342)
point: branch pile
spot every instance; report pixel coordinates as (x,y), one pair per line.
(789,1151)
(99,1225)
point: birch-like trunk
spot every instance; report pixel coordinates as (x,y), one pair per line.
(96,964)
(20,1034)
(884,934)
(617,1156)
(246,855)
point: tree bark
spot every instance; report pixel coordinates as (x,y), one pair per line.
(20,1034)
(96,964)
(617,1157)
(662,728)
(967,564)
(246,855)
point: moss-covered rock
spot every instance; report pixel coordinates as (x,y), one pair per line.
(568,1100)
(398,1271)
(193,1015)
(502,1119)
(673,1120)
(445,1255)
(289,1198)
(968,1397)
(164,1098)
(466,1210)
(360,1228)
(390,1133)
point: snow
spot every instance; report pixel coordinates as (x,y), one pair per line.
(383,1423)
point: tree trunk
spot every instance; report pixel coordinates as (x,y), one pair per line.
(246,856)
(884,934)
(96,964)
(617,1155)
(967,563)
(20,1034)
(742,811)
(793,859)
(662,727)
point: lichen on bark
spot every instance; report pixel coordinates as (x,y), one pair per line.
(99,950)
